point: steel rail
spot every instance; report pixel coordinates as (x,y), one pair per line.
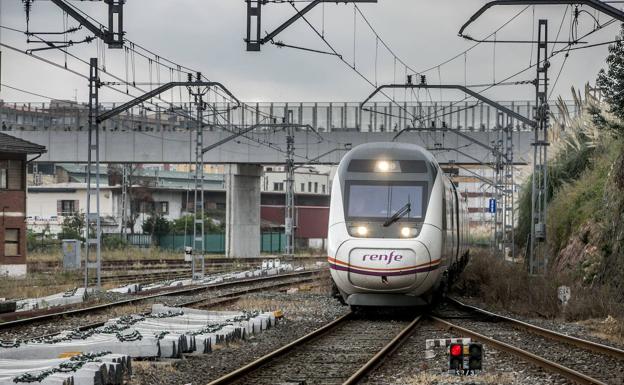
(240,372)
(387,350)
(548,365)
(550,334)
(137,264)
(24,321)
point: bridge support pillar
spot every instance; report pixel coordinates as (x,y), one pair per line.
(242,217)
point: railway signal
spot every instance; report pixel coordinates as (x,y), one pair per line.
(475,357)
(456,359)
(465,359)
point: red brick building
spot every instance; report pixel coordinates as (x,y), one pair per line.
(13,160)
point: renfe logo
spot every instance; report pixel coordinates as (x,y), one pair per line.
(388,258)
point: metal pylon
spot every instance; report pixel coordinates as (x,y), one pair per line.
(539,194)
(198,212)
(124,198)
(499,185)
(93,219)
(289,220)
(509,188)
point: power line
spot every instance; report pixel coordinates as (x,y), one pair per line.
(569,45)
(27,92)
(358,72)
(270,145)
(474,45)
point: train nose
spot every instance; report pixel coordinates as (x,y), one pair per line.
(389,268)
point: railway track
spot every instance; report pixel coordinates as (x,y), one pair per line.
(211,263)
(201,303)
(350,348)
(342,352)
(576,359)
(59,313)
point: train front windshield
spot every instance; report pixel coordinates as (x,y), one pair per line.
(380,200)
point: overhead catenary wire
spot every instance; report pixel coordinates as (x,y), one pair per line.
(132,47)
(249,137)
(358,72)
(553,54)
(148,54)
(27,92)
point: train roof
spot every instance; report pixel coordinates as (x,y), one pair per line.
(391,151)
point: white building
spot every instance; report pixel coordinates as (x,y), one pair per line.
(49,204)
(308,179)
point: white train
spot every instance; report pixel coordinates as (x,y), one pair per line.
(398,227)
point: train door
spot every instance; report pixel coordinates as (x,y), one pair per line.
(458,236)
(445,225)
(450,240)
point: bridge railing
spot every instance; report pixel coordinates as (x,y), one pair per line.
(323,117)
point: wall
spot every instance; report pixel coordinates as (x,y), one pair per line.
(311,221)
(12,216)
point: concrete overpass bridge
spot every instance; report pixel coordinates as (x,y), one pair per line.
(461,133)
(159,135)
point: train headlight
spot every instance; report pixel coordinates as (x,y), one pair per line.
(362,231)
(359,231)
(387,166)
(408,232)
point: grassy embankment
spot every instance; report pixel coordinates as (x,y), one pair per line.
(585,230)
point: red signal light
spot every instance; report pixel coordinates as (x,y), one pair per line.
(456,350)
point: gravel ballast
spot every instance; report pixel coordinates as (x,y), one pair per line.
(304,313)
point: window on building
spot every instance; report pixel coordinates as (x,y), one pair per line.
(315,187)
(66,207)
(147,207)
(11,175)
(278,186)
(323,188)
(11,242)
(3,177)
(309,186)
(302,187)
(163,208)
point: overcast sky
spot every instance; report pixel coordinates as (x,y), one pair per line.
(208,35)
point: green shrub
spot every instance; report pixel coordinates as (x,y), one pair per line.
(114,242)
(184,225)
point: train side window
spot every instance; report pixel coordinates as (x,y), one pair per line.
(444,212)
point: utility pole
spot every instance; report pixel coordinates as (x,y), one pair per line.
(93,152)
(289,220)
(509,213)
(198,212)
(499,212)
(539,193)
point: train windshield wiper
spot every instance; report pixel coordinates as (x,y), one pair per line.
(399,214)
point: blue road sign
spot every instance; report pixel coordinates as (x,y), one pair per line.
(492,207)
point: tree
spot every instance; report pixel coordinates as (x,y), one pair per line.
(73,227)
(612,80)
(156,226)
